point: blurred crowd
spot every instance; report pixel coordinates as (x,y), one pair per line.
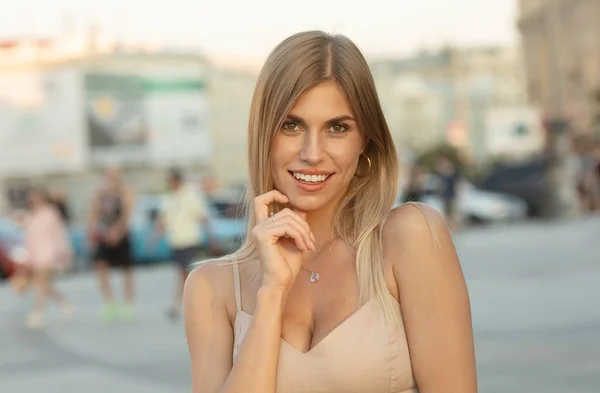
(121,229)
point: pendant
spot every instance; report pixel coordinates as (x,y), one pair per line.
(314,277)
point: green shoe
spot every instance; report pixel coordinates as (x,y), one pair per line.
(109,312)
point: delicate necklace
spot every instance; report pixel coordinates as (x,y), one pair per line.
(315,276)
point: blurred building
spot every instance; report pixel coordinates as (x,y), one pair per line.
(445,95)
(230,96)
(561,40)
(70,107)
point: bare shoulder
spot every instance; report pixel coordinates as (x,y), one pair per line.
(212,280)
(433,298)
(416,227)
(208,324)
(419,249)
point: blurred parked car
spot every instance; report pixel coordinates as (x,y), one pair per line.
(229,202)
(526,181)
(477,206)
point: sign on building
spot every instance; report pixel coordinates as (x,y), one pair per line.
(41,122)
(146,118)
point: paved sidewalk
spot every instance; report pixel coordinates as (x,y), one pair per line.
(536,315)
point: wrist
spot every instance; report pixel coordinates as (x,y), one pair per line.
(271,297)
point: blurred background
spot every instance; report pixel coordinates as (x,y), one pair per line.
(494,106)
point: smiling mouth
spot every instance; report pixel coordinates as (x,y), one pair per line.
(310,179)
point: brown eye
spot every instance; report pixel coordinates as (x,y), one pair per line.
(289,126)
(338,128)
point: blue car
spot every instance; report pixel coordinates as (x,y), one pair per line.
(11,235)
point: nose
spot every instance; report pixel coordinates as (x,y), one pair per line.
(312,148)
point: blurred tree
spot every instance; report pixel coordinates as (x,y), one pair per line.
(429,157)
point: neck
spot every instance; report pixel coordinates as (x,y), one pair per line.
(321,225)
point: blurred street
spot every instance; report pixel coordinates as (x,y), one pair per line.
(534,292)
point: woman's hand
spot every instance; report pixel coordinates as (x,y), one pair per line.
(281,239)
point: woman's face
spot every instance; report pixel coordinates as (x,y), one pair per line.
(316,152)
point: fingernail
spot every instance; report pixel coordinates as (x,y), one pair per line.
(314,246)
(313,237)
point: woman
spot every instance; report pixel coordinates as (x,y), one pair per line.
(48,250)
(331,287)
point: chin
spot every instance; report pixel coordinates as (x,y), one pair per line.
(307,204)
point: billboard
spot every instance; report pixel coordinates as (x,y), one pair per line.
(147,117)
(514,131)
(41,122)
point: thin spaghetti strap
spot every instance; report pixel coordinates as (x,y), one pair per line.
(236,287)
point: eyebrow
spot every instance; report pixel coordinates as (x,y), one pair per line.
(335,120)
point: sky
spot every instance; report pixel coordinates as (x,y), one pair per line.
(247,30)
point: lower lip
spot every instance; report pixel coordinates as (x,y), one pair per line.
(311,187)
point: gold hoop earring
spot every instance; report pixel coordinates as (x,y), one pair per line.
(363,175)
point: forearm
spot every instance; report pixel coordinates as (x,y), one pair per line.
(255,370)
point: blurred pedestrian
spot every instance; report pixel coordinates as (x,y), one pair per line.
(415,187)
(449,177)
(587,180)
(48,250)
(108,233)
(184,220)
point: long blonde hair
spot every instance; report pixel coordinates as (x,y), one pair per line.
(297,64)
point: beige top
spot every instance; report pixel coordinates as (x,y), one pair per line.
(182,213)
(364,354)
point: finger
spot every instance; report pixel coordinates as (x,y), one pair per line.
(302,215)
(287,229)
(262,202)
(283,231)
(304,232)
(299,217)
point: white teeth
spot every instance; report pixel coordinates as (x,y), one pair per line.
(310,178)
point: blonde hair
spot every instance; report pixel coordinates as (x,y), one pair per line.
(297,64)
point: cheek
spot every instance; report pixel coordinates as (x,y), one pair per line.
(346,157)
(281,155)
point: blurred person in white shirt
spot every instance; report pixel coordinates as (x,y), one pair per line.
(184,220)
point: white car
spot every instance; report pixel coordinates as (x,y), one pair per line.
(479,206)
